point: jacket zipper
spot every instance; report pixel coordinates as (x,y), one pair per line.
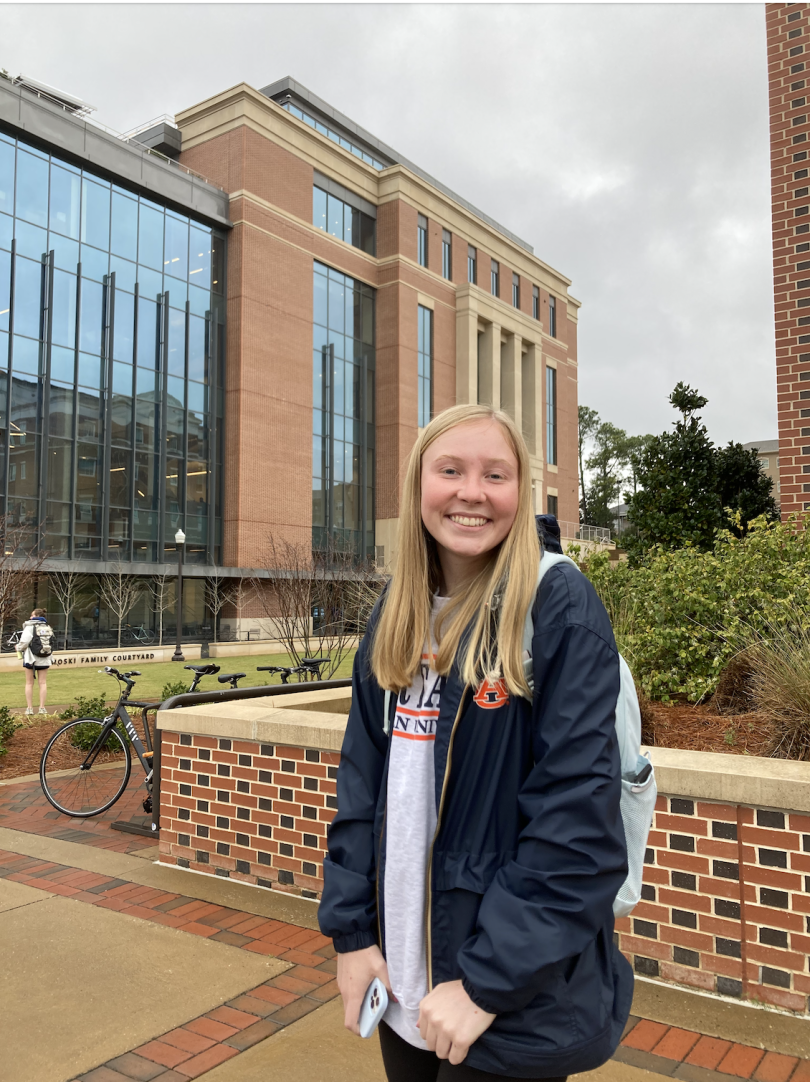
(377,884)
(448,764)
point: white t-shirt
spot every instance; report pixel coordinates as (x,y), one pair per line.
(410,825)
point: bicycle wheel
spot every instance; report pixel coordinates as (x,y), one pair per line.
(78,780)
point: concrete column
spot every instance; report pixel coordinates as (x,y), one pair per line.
(489,367)
(532,396)
(512,378)
(466,356)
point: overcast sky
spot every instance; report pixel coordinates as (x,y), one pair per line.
(627,143)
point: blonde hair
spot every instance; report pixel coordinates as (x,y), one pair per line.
(494,602)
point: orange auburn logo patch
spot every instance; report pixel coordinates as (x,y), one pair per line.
(492,694)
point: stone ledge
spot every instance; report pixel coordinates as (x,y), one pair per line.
(732,779)
(311,719)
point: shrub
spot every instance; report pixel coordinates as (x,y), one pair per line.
(780,690)
(179,687)
(85,734)
(90,706)
(679,617)
(8,727)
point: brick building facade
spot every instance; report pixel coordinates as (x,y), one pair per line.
(789,86)
(276,152)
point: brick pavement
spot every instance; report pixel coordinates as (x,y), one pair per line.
(24,807)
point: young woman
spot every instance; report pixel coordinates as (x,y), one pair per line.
(33,664)
(477,849)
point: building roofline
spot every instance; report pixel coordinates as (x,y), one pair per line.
(290,86)
(27,115)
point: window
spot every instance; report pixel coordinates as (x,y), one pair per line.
(552,317)
(425,359)
(343,221)
(516,291)
(551,505)
(447,254)
(336,137)
(765,463)
(421,240)
(136,326)
(343,413)
(551,416)
(801,156)
(800,174)
(797,103)
(472,261)
(494,278)
(535,302)
(797,86)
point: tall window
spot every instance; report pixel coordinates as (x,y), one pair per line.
(343,413)
(494,277)
(535,302)
(345,222)
(447,254)
(551,415)
(552,317)
(551,505)
(516,291)
(472,260)
(112,436)
(425,357)
(421,240)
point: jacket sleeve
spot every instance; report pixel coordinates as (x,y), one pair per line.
(26,637)
(549,903)
(348,909)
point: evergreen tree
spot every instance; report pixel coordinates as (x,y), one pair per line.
(588,424)
(677,502)
(742,486)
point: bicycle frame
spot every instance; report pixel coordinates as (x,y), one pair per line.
(120,714)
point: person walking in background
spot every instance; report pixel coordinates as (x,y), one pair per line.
(478,845)
(35,648)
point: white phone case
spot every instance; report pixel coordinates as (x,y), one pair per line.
(375,1002)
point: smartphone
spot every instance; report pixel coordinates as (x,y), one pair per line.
(375,1002)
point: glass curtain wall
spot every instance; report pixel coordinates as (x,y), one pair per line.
(551,415)
(111,351)
(343,413)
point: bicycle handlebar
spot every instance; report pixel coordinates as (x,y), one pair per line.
(110,671)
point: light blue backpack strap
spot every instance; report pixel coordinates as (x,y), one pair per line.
(548,560)
(387,714)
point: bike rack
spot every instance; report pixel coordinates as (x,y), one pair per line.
(200,698)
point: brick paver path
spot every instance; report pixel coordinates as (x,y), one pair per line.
(23,807)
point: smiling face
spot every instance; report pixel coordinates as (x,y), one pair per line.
(470,482)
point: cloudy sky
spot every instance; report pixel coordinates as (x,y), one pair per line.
(627,143)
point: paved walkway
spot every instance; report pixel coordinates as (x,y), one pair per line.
(118,969)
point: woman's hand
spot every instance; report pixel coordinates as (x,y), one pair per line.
(450,1022)
(355,972)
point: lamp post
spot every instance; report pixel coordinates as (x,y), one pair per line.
(180,540)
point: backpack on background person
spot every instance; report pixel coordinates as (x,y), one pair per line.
(41,644)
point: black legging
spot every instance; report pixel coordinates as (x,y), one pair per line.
(404,1063)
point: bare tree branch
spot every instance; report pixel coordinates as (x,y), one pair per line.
(67,585)
(160,601)
(119,592)
(19,568)
(319,601)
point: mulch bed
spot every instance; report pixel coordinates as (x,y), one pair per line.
(701,728)
(25,748)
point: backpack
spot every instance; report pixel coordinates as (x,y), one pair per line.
(41,639)
(639,790)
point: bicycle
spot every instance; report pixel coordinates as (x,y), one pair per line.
(84,771)
(309,668)
(139,634)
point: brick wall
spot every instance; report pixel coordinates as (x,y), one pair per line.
(726,897)
(789,87)
(725,905)
(253,812)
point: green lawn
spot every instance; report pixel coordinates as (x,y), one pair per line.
(64,685)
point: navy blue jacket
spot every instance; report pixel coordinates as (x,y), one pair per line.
(529,851)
